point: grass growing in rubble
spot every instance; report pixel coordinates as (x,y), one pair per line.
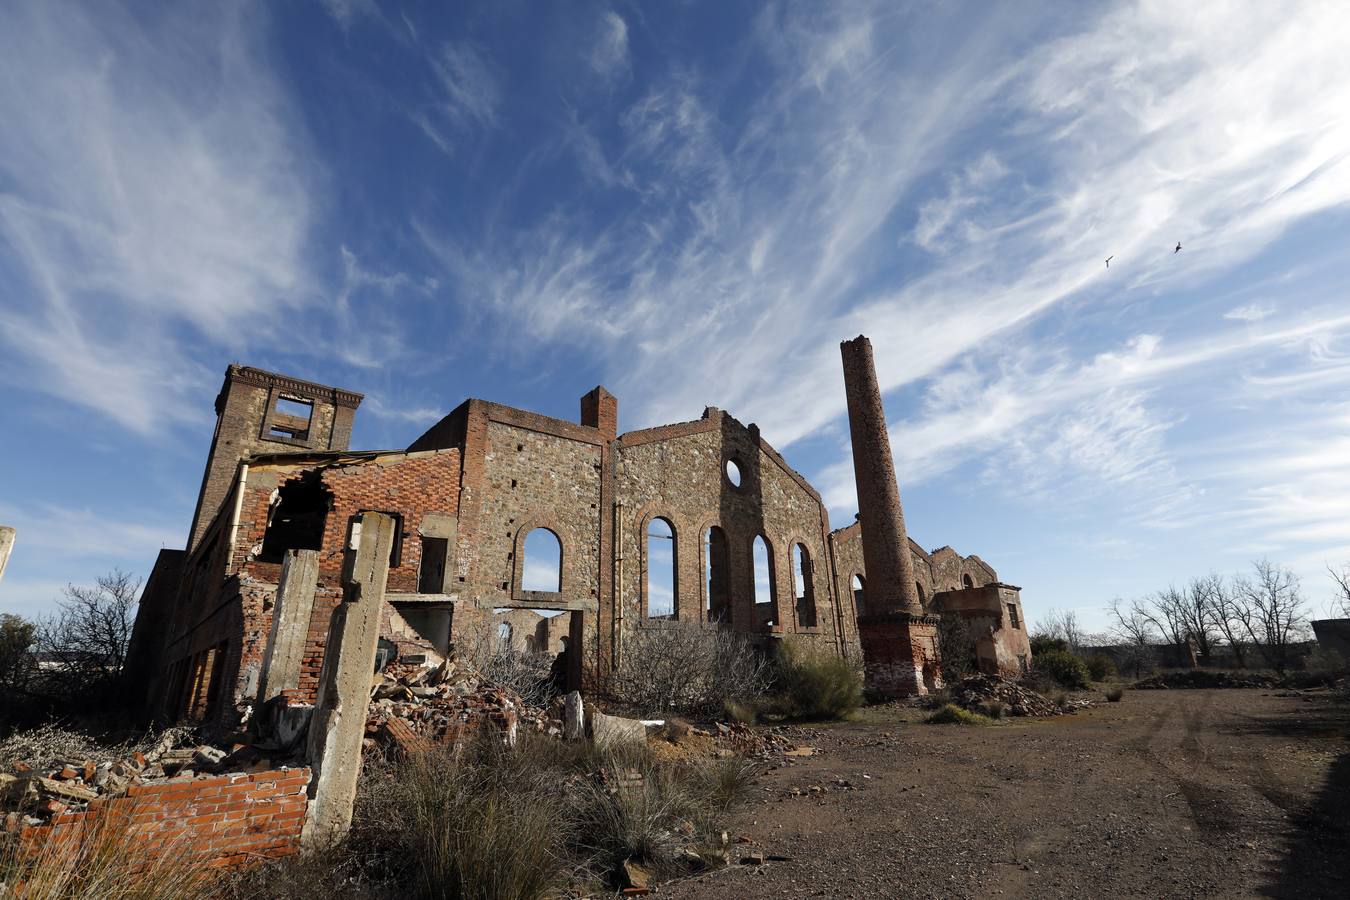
(951,714)
(104,860)
(497,823)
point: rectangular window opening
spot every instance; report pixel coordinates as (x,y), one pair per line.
(290,419)
(431,575)
(1012,616)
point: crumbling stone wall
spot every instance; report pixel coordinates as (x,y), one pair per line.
(994,614)
(245,415)
(225,820)
(482,479)
(678,473)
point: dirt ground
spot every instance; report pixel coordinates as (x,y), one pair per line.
(1204,793)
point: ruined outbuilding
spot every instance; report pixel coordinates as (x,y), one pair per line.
(464,499)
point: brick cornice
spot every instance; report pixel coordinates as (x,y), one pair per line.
(309,389)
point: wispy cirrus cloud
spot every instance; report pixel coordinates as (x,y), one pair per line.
(150,196)
(609,56)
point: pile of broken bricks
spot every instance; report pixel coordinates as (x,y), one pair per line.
(32,797)
(413,705)
(975,690)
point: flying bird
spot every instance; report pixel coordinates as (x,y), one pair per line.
(1178,250)
(1108,260)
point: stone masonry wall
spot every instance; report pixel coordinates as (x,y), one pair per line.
(677,473)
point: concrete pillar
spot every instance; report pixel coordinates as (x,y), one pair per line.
(6,544)
(290,623)
(339,722)
(899,642)
(886,556)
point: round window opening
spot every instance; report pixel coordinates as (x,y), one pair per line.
(733,473)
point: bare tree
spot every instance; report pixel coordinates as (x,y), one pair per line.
(687,668)
(1271,610)
(1166,610)
(87,639)
(1061,625)
(1135,631)
(1341,604)
(1224,613)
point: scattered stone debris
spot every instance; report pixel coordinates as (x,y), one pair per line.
(977,690)
(51,771)
(762,744)
(446,703)
(1204,678)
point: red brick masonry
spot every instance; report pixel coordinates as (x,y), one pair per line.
(226,820)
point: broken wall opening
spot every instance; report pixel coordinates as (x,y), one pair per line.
(297,518)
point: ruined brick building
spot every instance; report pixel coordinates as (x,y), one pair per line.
(467,494)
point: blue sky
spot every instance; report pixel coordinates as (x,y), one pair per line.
(693,204)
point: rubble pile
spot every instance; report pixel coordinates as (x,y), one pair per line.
(763,744)
(1204,678)
(975,690)
(410,703)
(53,782)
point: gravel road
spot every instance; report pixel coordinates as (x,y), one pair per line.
(1203,793)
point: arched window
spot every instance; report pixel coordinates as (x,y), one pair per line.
(803,589)
(918,589)
(542,568)
(660,569)
(716,574)
(967,582)
(764,586)
(858,598)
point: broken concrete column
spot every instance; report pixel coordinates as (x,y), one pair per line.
(339,722)
(574,718)
(290,623)
(6,544)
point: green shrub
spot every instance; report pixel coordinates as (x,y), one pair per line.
(1041,643)
(814,684)
(992,709)
(1100,667)
(951,714)
(1115,694)
(1063,667)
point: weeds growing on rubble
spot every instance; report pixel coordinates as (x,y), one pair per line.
(951,714)
(101,859)
(487,821)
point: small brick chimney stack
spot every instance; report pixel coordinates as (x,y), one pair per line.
(890,568)
(600,409)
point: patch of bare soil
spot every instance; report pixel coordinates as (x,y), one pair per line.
(1178,793)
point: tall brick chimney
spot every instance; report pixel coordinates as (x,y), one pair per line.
(890,568)
(600,409)
(899,641)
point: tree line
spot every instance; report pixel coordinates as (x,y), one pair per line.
(1260,617)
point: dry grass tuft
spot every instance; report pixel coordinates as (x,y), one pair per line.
(104,860)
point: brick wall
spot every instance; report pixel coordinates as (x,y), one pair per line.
(223,821)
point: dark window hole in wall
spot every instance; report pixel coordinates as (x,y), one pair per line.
(859,589)
(803,586)
(431,572)
(717,574)
(297,517)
